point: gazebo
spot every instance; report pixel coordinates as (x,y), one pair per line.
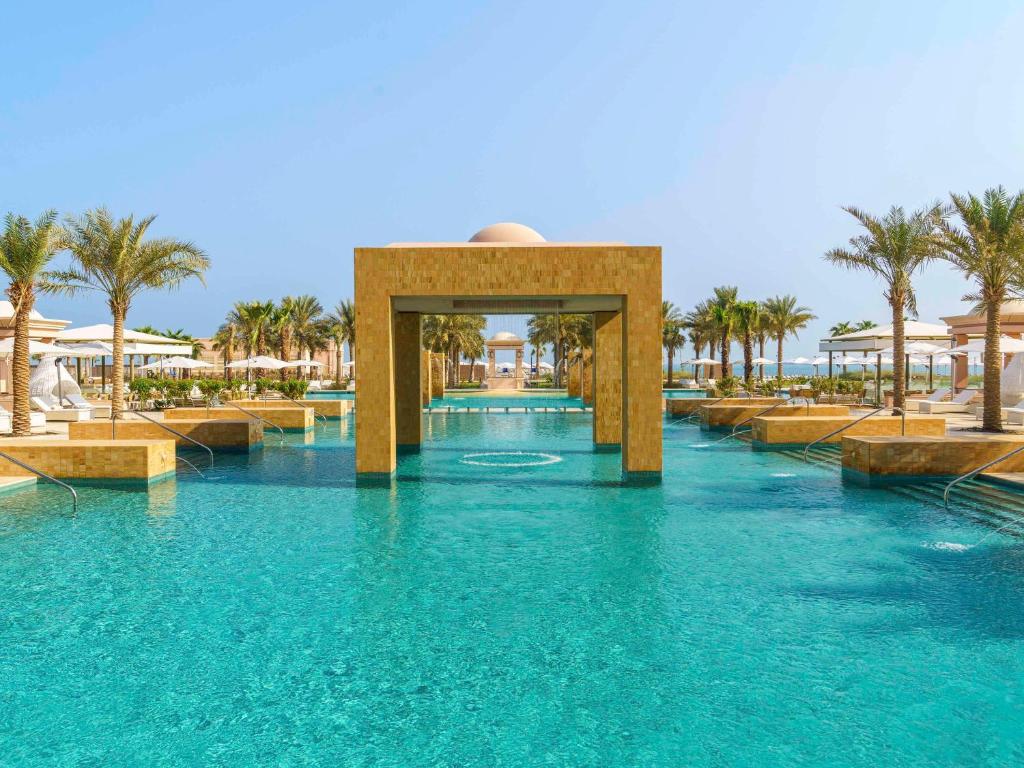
(964,328)
(504,340)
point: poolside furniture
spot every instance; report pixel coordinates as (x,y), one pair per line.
(351,386)
(959,404)
(36,420)
(77,401)
(935,397)
(52,410)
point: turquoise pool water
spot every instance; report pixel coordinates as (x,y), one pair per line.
(331,395)
(672,394)
(749,611)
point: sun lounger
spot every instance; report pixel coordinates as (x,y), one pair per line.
(36,421)
(48,405)
(959,404)
(77,401)
(935,397)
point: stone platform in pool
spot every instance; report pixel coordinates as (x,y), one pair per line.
(237,434)
(771,432)
(881,460)
(289,417)
(107,461)
(328,409)
(729,415)
(684,406)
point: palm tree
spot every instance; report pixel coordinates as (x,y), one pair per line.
(784,318)
(180,335)
(893,249)
(864,325)
(251,320)
(280,327)
(306,313)
(672,336)
(988,248)
(722,305)
(761,333)
(703,330)
(344,323)
(748,317)
(841,329)
(224,341)
(451,334)
(25,251)
(114,258)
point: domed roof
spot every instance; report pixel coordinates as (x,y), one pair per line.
(505,336)
(507,232)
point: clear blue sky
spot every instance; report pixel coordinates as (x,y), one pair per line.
(280,136)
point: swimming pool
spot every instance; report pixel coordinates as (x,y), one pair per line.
(500,401)
(750,610)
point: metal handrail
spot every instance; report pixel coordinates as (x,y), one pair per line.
(976,472)
(841,429)
(737,396)
(163,426)
(315,414)
(182,458)
(45,476)
(255,416)
(769,409)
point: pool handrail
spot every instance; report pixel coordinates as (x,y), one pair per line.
(45,476)
(841,429)
(255,416)
(977,471)
(769,409)
(315,414)
(163,426)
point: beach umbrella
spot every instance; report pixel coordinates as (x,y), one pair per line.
(303,363)
(762,361)
(1007,344)
(260,361)
(34,347)
(176,362)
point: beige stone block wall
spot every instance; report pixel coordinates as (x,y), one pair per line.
(436,374)
(881,458)
(684,406)
(408,403)
(607,379)
(141,460)
(241,434)
(286,417)
(800,430)
(329,409)
(627,275)
(729,415)
(425,377)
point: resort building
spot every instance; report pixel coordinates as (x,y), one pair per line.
(40,329)
(964,328)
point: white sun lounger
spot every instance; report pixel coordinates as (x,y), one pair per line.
(935,397)
(49,406)
(36,421)
(957,405)
(77,401)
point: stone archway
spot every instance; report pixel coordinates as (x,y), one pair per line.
(504,341)
(617,283)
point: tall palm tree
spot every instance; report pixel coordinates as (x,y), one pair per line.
(761,333)
(988,248)
(567,334)
(25,251)
(113,257)
(224,341)
(672,332)
(306,313)
(280,327)
(748,317)
(893,248)
(722,306)
(344,324)
(251,320)
(703,329)
(784,318)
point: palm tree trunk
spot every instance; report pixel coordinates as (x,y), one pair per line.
(778,359)
(671,354)
(338,360)
(899,384)
(20,371)
(725,357)
(760,353)
(117,374)
(992,417)
(748,355)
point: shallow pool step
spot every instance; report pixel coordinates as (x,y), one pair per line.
(822,455)
(978,500)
